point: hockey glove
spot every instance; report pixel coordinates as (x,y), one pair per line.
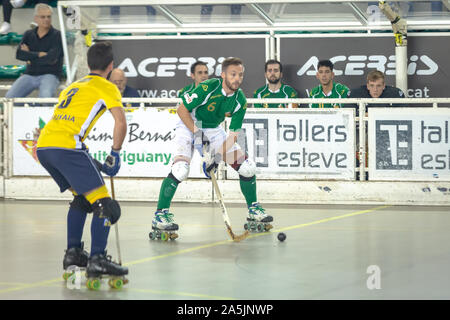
(201,142)
(112,164)
(210,163)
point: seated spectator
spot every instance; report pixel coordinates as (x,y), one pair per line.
(41,48)
(327,87)
(375,88)
(274,87)
(118,78)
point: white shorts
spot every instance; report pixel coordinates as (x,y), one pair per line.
(184,140)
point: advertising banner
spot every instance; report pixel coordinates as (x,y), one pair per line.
(302,144)
(146,152)
(409,144)
(354,57)
(158,68)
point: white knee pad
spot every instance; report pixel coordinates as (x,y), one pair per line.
(180,170)
(247,168)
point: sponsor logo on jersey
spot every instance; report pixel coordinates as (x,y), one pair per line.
(357,65)
(189,98)
(67,117)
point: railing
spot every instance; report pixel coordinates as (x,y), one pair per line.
(360,124)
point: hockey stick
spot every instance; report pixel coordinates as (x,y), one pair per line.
(226,219)
(99,166)
(116,224)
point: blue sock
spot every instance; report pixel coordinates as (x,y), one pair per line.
(75,225)
(99,235)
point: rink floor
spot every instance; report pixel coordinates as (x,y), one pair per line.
(331,252)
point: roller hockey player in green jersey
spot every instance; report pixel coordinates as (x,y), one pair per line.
(199,73)
(273,71)
(327,88)
(201,112)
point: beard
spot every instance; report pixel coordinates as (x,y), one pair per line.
(274,80)
(232,85)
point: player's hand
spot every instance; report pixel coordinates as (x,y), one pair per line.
(201,142)
(210,163)
(112,163)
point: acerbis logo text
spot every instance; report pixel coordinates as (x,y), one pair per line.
(167,67)
(356,65)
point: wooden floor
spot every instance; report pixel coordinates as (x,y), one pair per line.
(331,252)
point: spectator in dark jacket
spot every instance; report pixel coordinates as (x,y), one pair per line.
(41,48)
(375,88)
(120,80)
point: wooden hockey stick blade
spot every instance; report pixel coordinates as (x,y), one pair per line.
(235,238)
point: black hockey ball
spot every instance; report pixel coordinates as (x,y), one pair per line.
(281,236)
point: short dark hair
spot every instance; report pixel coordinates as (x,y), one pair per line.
(231,62)
(273,61)
(100,55)
(325,63)
(197,63)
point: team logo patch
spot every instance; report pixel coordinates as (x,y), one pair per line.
(205,87)
(190,98)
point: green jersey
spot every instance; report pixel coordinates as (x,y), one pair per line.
(339,91)
(285,91)
(210,105)
(188,88)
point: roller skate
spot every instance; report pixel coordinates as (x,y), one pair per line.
(100,266)
(257,219)
(75,260)
(163,226)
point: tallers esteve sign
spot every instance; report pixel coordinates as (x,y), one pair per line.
(303,144)
(409,144)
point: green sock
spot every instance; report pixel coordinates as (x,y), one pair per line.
(166,193)
(248,188)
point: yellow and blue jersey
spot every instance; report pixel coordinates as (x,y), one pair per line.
(79,107)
